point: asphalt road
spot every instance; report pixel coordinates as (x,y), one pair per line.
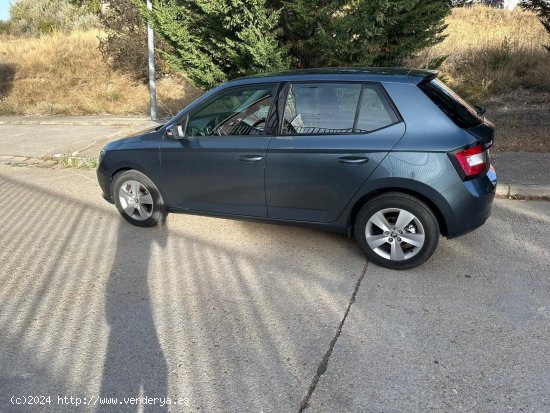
(231,316)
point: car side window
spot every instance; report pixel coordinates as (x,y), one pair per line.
(375,111)
(238,111)
(314,108)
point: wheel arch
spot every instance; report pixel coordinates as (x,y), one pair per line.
(423,192)
(123,168)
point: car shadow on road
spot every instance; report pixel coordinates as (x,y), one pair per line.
(135,365)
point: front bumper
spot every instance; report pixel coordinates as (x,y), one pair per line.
(104,180)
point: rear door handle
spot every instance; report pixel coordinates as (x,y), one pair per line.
(250,158)
(353,160)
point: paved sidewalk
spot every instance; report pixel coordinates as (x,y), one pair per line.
(522,173)
(40,137)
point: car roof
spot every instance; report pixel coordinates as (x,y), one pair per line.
(375,74)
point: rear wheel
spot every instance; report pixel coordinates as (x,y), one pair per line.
(138,199)
(396,231)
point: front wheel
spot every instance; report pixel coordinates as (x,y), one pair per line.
(138,199)
(396,231)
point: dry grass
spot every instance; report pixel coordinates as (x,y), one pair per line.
(491,51)
(522,119)
(65,75)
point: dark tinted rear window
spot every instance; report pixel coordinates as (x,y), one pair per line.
(453,105)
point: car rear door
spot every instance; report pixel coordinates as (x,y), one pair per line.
(331,138)
(219,165)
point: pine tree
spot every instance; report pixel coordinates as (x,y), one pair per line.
(542,9)
(216,40)
(359,32)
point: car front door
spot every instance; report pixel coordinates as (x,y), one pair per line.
(218,166)
(333,135)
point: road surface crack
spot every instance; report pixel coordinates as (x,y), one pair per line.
(322,368)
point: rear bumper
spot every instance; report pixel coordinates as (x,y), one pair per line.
(470,203)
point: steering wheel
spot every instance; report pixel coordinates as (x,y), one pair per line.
(214,127)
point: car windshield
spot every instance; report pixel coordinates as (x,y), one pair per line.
(460,111)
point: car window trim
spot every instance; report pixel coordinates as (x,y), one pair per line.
(273,116)
(282,105)
(276,88)
(388,104)
(375,85)
(358,108)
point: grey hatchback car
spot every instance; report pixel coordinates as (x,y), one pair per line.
(390,156)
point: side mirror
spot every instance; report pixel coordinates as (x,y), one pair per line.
(177,130)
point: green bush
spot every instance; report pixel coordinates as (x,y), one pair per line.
(5,27)
(93,6)
(36,17)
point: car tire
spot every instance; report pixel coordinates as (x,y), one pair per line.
(138,199)
(397,231)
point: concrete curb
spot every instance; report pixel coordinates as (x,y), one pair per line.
(505,190)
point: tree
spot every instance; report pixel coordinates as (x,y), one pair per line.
(359,32)
(216,40)
(124,45)
(93,6)
(542,9)
(35,17)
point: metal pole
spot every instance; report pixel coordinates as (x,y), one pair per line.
(151,55)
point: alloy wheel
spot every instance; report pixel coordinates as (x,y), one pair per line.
(395,234)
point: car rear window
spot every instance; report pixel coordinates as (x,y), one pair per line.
(460,112)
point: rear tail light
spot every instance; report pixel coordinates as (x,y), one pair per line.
(470,162)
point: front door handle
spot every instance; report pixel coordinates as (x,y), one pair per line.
(250,158)
(353,160)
